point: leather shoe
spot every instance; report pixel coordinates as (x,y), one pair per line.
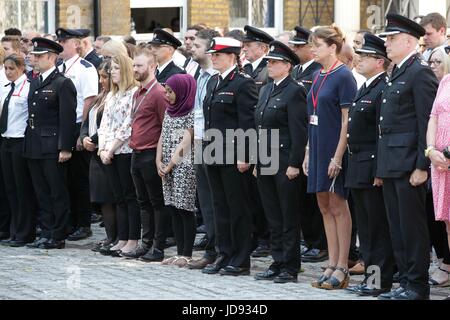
(53,244)
(411,295)
(17,243)
(96,218)
(199,264)
(136,253)
(201,229)
(372,292)
(80,234)
(215,267)
(262,251)
(37,243)
(285,277)
(170,242)
(153,255)
(5,242)
(4,235)
(356,289)
(269,274)
(200,244)
(392,294)
(315,255)
(357,269)
(234,271)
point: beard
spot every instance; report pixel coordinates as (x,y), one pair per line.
(141,76)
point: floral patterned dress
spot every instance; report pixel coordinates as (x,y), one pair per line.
(179,187)
(440,180)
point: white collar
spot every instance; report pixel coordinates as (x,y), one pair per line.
(20,80)
(161,68)
(278,82)
(369,81)
(256,63)
(92,49)
(227,72)
(307,64)
(406,59)
(72,60)
(47,73)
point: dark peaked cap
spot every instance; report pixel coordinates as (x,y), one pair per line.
(400,24)
(280,51)
(44,45)
(255,34)
(301,36)
(373,45)
(163,37)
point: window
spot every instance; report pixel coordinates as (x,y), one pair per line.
(258,13)
(28,15)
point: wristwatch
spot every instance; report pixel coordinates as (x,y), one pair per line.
(428,150)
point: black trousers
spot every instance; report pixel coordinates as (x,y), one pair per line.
(128,216)
(80,202)
(354,253)
(281,204)
(5,213)
(49,181)
(19,190)
(373,228)
(233,220)
(206,205)
(438,232)
(311,218)
(154,214)
(184,228)
(407,218)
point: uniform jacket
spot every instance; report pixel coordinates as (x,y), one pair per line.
(306,76)
(169,71)
(93,58)
(260,74)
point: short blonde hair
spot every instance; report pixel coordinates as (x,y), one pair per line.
(114,48)
(127,80)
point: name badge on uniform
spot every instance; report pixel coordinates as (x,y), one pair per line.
(314,120)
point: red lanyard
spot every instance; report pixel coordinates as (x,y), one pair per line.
(315,99)
(21,88)
(67,70)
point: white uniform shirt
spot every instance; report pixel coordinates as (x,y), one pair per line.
(85,78)
(17,108)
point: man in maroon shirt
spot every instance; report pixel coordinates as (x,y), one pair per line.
(149,106)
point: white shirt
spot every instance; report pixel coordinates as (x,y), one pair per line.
(280,81)
(307,64)
(179,59)
(47,73)
(406,59)
(161,68)
(85,78)
(359,79)
(192,67)
(368,82)
(256,63)
(227,72)
(17,108)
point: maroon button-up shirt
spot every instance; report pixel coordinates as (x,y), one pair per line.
(148,116)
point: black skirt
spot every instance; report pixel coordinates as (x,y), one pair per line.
(98,182)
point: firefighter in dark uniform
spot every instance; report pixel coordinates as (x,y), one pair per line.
(281,107)
(229,105)
(304,71)
(49,141)
(163,47)
(366,190)
(405,109)
(256,46)
(314,245)
(91,55)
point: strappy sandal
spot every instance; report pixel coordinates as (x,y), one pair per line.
(170,260)
(318,283)
(182,262)
(334,283)
(446,283)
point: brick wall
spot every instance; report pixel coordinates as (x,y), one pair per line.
(214,13)
(114,15)
(295,10)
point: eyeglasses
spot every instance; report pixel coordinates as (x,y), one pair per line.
(437,63)
(367,55)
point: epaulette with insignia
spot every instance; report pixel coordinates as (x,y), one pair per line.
(86,63)
(244,74)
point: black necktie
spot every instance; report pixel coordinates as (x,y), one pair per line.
(64,68)
(4,116)
(394,70)
(220,79)
(41,79)
(157,73)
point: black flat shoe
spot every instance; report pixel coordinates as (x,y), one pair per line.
(366,292)
(234,271)
(269,274)
(17,243)
(391,294)
(215,267)
(37,243)
(262,251)
(80,234)
(285,277)
(53,244)
(115,253)
(153,255)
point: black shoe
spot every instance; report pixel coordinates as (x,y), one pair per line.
(17,243)
(355,289)
(396,278)
(304,248)
(102,224)
(263,250)
(37,243)
(234,271)
(285,277)
(4,235)
(99,245)
(53,244)
(411,295)
(215,267)
(269,274)
(80,234)
(96,218)
(153,255)
(392,294)
(315,255)
(106,249)
(170,242)
(200,244)
(372,292)
(136,253)
(5,242)
(201,229)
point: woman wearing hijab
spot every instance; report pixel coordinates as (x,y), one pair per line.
(175,163)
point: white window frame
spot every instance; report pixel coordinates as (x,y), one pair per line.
(51,5)
(134,4)
(278,17)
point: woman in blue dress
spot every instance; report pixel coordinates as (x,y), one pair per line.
(333,91)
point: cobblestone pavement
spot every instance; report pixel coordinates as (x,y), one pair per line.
(78,273)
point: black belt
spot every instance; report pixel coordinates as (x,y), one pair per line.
(144,151)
